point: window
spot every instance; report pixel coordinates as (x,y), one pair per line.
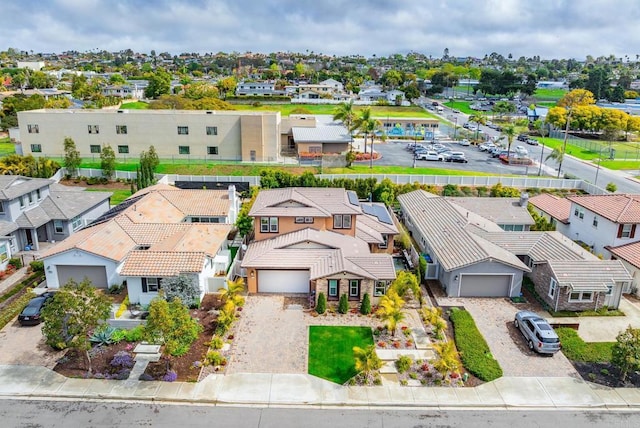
(1,208)
(38,194)
(307,220)
(252,155)
(123,149)
(21,201)
(4,252)
(58,227)
(380,288)
(121,129)
(579,212)
(333,288)
(581,296)
(385,244)
(184,150)
(553,288)
(269,224)
(33,129)
(595,222)
(212,150)
(151,285)
(342,221)
(354,288)
(626,231)
(609,290)
(76,223)
(36,148)
(95,148)
(183,130)
(212,130)
(93,129)
(30,196)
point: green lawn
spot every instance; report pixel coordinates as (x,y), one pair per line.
(463,106)
(137,105)
(6,147)
(118,195)
(591,155)
(378,111)
(631,165)
(549,94)
(331,351)
(576,349)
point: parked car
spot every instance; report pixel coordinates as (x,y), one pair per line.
(456,157)
(486,147)
(31,314)
(464,142)
(532,141)
(521,151)
(522,137)
(430,156)
(539,335)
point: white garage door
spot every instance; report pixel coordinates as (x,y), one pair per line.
(96,274)
(485,285)
(283,281)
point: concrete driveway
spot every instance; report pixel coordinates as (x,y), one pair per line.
(494,318)
(26,346)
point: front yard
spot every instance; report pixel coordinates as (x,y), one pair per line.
(331,351)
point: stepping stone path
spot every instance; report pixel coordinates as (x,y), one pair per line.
(145,354)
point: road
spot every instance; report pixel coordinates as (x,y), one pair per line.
(574,166)
(16,413)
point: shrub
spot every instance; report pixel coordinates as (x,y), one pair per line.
(343,305)
(474,351)
(16,262)
(135,334)
(37,266)
(216,342)
(365,306)
(118,335)
(611,187)
(103,335)
(115,288)
(214,358)
(122,359)
(321,306)
(123,307)
(171,376)
(576,349)
(403,363)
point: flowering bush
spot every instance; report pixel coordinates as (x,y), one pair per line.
(382,344)
(171,376)
(122,359)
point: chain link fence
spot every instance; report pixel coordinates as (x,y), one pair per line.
(609,150)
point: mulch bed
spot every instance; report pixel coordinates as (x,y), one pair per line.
(74,363)
(606,374)
(111,185)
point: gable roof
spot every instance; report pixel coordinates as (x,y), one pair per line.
(303,201)
(628,252)
(540,246)
(322,252)
(498,210)
(444,228)
(619,208)
(556,207)
(12,186)
(578,272)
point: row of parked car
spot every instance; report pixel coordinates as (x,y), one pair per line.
(436,152)
(525,138)
(498,151)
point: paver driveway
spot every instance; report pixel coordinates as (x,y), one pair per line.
(25,345)
(494,318)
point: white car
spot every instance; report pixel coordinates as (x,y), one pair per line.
(521,151)
(486,147)
(430,156)
(464,142)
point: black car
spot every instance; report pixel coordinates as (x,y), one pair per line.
(30,315)
(523,137)
(457,158)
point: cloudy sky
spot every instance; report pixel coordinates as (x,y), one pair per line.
(549,28)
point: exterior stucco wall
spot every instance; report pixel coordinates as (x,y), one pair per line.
(78,258)
(452,285)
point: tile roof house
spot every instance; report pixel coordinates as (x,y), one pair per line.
(35,210)
(554,209)
(157,233)
(320,240)
(472,256)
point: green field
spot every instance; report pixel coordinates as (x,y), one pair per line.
(331,351)
(546,94)
(463,106)
(6,147)
(117,197)
(591,155)
(378,111)
(137,105)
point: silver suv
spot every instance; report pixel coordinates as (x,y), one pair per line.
(538,333)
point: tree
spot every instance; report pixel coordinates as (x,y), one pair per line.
(232,291)
(367,361)
(344,112)
(571,100)
(227,86)
(321,306)
(557,154)
(107,161)
(343,304)
(159,84)
(411,91)
(366,124)
(365,305)
(199,90)
(625,353)
(74,312)
(611,187)
(503,107)
(509,131)
(170,324)
(72,158)
(478,119)
(390,310)
(447,357)
(183,287)
(406,281)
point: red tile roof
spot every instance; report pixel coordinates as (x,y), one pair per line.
(556,207)
(619,208)
(628,252)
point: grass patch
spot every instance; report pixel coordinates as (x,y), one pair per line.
(6,147)
(377,111)
(331,351)
(474,351)
(118,196)
(137,105)
(576,349)
(549,94)
(621,164)
(463,106)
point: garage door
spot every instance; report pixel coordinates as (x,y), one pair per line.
(97,274)
(485,285)
(283,281)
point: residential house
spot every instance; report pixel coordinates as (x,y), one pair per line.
(257,89)
(34,210)
(157,233)
(123,91)
(629,256)
(510,214)
(553,209)
(319,240)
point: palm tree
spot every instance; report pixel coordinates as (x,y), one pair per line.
(557,154)
(232,291)
(478,119)
(366,361)
(390,310)
(407,281)
(366,124)
(344,112)
(571,100)
(447,357)
(509,131)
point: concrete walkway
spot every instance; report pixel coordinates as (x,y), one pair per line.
(267,389)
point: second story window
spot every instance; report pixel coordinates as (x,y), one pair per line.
(269,224)
(76,223)
(342,221)
(627,231)
(212,130)
(121,129)
(21,198)
(93,129)
(1,208)
(30,196)
(38,194)
(33,129)
(579,212)
(58,226)
(183,130)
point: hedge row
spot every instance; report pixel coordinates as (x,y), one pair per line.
(12,310)
(474,351)
(31,281)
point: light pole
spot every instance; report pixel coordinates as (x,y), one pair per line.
(455,127)
(541,157)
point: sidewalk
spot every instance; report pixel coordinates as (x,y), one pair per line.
(265,389)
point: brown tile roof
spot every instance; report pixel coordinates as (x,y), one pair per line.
(558,208)
(619,208)
(303,201)
(162,263)
(628,252)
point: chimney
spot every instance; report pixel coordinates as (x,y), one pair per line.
(235,204)
(524,199)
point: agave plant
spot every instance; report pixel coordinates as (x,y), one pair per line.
(103,336)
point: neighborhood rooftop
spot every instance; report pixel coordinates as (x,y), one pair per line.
(558,208)
(303,201)
(619,208)
(498,210)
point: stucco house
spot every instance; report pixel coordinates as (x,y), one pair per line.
(553,209)
(35,210)
(157,233)
(319,240)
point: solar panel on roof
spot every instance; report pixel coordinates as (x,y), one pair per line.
(353,198)
(378,211)
(113,212)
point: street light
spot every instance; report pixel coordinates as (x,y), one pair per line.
(541,157)
(455,127)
